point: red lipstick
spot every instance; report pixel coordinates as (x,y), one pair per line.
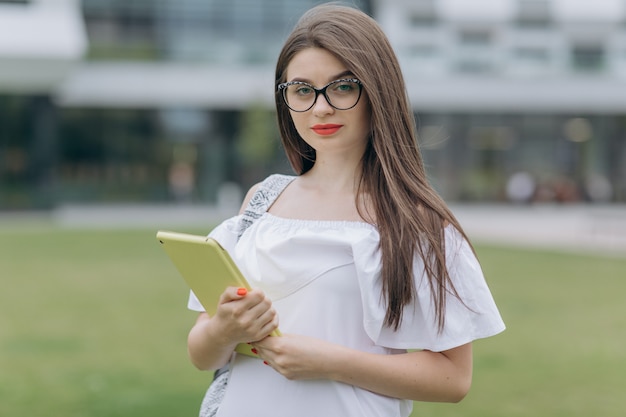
(326,129)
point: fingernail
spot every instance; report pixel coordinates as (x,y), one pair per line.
(265,363)
(253,350)
(242,291)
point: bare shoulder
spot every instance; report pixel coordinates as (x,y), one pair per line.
(248,197)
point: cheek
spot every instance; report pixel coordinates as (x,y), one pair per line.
(298,122)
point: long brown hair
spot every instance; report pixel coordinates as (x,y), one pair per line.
(409,214)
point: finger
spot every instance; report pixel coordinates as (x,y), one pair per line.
(259,327)
(270,320)
(267,344)
(232,294)
(259,307)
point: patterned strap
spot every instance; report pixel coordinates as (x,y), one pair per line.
(262,199)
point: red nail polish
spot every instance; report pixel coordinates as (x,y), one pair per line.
(242,291)
(265,362)
(253,350)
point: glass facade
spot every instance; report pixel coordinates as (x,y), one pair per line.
(147,155)
(565,158)
(109,155)
(52,154)
(215,31)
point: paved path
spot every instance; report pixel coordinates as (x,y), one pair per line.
(579,228)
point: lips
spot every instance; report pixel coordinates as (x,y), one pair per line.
(326,129)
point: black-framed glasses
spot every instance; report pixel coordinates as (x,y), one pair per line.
(341,94)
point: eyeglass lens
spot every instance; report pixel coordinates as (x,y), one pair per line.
(341,94)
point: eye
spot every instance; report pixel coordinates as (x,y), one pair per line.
(344,87)
(303,89)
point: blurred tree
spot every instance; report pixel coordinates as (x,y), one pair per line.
(256,143)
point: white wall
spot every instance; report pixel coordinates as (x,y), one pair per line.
(40,42)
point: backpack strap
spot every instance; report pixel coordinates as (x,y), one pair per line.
(262,199)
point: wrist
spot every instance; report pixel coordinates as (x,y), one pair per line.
(208,350)
(218,335)
(333,363)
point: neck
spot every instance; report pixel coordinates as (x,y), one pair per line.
(334,174)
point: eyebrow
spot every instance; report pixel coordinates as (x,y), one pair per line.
(343,74)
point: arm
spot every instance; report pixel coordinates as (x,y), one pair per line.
(422,376)
(211,340)
(240,318)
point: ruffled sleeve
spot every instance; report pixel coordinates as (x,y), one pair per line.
(226,235)
(475,317)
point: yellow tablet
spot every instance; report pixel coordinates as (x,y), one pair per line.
(206,267)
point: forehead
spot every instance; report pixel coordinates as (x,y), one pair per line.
(315,65)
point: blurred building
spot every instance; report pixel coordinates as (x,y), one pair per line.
(505,88)
(163,100)
(40,44)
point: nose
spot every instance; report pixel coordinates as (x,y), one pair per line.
(321,106)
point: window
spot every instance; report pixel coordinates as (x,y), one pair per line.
(535,56)
(532,54)
(534,13)
(475,54)
(422,13)
(419,20)
(422,51)
(475,37)
(530,60)
(588,58)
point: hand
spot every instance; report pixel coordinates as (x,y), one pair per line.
(245,316)
(296,356)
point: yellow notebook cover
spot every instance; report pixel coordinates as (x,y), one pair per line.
(207,268)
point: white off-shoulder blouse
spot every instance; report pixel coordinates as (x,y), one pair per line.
(324,280)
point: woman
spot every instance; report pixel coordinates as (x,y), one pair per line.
(378,291)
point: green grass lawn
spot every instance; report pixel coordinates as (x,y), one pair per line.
(94,324)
